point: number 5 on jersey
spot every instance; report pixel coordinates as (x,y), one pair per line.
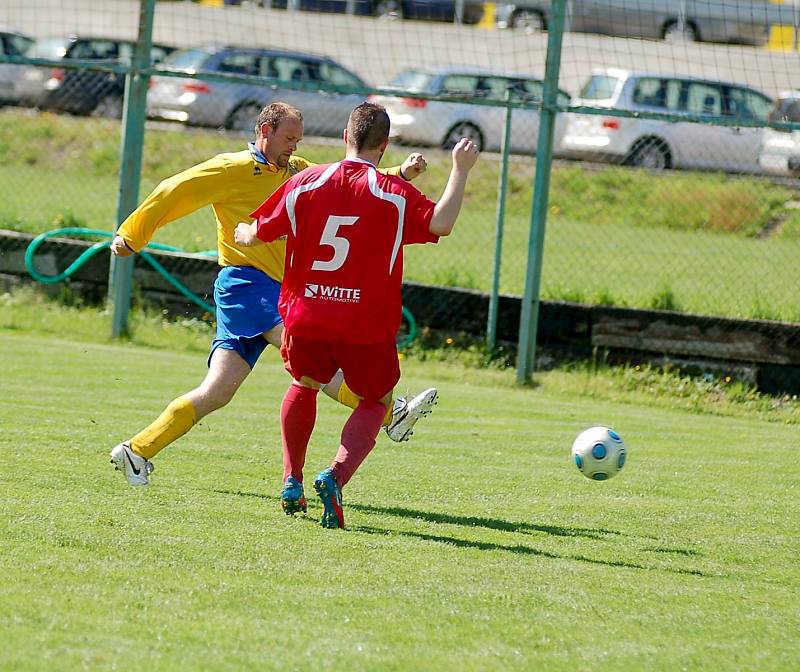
(340,245)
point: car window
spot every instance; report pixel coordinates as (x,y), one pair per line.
(291,69)
(599,87)
(329,72)
(460,85)
(94,49)
(492,88)
(650,91)
(747,104)
(239,63)
(52,48)
(189,59)
(412,80)
(158,54)
(15,45)
(787,109)
(703,98)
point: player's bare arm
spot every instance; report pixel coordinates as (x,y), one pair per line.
(245,235)
(464,156)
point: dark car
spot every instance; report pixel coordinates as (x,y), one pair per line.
(424,10)
(80,91)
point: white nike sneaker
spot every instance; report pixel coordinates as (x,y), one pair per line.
(406,413)
(135,467)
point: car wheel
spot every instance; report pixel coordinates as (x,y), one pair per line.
(651,154)
(673,33)
(463,129)
(243,118)
(527,21)
(388,9)
(109,106)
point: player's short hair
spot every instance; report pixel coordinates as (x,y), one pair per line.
(368,126)
(274,113)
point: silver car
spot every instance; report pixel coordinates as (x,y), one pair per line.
(420,121)
(780,149)
(739,21)
(12,43)
(657,144)
(204,102)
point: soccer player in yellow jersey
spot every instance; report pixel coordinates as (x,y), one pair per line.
(248,284)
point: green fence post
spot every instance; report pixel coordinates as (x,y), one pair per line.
(120,276)
(491,322)
(529,317)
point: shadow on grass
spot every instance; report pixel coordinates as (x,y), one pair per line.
(521,549)
(491,523)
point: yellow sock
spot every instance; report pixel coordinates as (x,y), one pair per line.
(177,419)
(349,398)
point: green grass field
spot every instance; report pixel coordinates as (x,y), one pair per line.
(475,546)
(698,242)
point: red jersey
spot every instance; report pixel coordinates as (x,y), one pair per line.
(346,225)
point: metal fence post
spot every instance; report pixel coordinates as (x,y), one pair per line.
(120,278)
(491,322)
(529,318)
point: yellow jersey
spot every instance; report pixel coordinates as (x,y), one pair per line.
(234,185)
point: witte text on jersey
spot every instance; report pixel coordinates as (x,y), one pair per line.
(332,293)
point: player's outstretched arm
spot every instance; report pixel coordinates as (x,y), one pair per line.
(464,155)
(245,234)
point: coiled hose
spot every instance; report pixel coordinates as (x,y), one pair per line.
(88,253)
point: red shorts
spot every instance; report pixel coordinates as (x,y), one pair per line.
(371,370)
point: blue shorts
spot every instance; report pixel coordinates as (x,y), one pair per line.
(247,306)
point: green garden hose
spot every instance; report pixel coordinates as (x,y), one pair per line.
(97,247)
(150,259)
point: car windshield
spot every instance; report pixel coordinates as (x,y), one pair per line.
(787,110)
(51,48)
(599,87)
(412,80)
(186,59)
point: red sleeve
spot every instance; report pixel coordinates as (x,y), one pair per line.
(419,212)
(272,218)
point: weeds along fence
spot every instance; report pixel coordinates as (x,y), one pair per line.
(673,179)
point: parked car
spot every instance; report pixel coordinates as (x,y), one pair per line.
(237,105)
(416,120)
(780,149)
(738,21)
(80,91)
(12,43)
(659,144)
(426,10)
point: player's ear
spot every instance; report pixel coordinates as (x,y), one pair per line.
(344,136)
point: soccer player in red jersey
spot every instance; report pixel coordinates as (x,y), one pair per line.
(345,226)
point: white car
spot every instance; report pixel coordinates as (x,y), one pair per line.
(420,121)
(780,149)
(659,144)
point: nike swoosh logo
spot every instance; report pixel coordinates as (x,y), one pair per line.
(130,461)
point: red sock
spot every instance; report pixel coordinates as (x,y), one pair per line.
(298,415)
(358,439)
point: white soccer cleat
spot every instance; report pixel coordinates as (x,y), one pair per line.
(135,467)
(406,413)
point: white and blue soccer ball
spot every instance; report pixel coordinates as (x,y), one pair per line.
(599,453)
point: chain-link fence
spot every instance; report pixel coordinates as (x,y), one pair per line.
(673,185)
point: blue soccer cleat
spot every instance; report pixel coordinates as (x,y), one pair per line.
(293,498)
(331,495)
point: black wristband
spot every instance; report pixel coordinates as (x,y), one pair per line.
(401,174)
(128,246)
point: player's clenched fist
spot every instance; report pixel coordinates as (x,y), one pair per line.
(465,154)
(413,166)
(120,248)
(245,234)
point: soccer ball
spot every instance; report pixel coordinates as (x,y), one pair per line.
(599,453)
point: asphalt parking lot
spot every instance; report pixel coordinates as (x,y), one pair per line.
(377,49)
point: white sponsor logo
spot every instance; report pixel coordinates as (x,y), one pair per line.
(332,293)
